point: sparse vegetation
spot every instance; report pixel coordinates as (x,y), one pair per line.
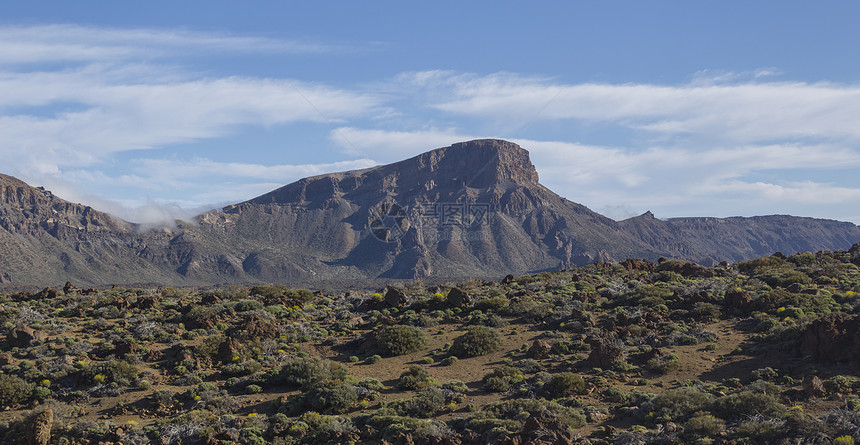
(681,349)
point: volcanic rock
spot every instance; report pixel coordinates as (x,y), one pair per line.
(22,335)
(39,428)
(458,298)
(813,386)
(395,297)
(540,349)
(833,338)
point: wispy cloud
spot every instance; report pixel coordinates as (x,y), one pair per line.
(75,43)
(723,110)
(672,181)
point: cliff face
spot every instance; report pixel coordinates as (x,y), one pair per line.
(472,209)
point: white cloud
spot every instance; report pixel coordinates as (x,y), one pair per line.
(728,112)
(671,181)
(74,43)
(391,146)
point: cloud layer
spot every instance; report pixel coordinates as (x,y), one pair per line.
(106,116)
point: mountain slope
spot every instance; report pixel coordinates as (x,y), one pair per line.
(709,241)
(474,209)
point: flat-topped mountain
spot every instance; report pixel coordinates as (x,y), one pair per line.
(474,209)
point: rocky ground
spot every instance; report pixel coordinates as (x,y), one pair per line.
(760,351)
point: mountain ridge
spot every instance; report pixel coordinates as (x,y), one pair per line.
(472,209)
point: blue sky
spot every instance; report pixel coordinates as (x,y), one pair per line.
(153,110)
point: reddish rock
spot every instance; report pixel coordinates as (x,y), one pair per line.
(738,300)
(22,335)
(540,349)
(813,386)
(458,298)
(544,427)
(641,265)
(125,347)
(605,352)
(228,349)
(39,428)
(69,287)
(395,297)
(833,338)
(148,302)
(508,279)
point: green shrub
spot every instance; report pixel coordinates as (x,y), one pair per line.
(248,305)
(239,369)
(705,425)
(414,378)
(371,384)
(253,389)
(748,403)
(664,364)
(565,384)
(310,372)
(400,339)
(14,390)
(478,340)
(373,359)
(676,404)
(448,361)
(456,386)
(514,409)
(337,399)
(843,440)
(501,379)
(112,371)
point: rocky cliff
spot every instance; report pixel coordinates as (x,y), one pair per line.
(474,209)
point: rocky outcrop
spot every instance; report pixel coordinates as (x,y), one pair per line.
(458,298)
(39,428)
(540,350)
(833,338)
(813,386)
(472,209)
(605,352)
(22,336)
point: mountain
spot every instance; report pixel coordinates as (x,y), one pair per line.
(474,209)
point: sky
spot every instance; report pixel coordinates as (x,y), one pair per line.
(163,109)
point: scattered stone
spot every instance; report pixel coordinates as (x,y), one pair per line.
(540,349)
(813,386)
(69,287)
(39,428)
(5,358)
(148,302)
(458,298)
(596,416)
(228,349)
(833,338)
(22,335)
(395,297)
(605,352)
(739,300)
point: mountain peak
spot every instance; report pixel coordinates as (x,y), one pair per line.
(489,161)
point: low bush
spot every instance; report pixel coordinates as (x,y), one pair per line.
(676,404)
(336,399)
(310,372)
(414,378)
(400,339)
(14,390)
(478,340)
(565,384)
